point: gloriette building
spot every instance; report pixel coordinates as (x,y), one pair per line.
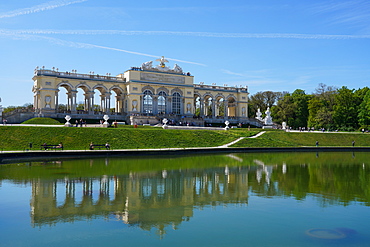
(141,95)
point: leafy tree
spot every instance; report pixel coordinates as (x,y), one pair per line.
(321,107)
(314,106)
(327,95)
(364,111)
(345,109)
(284,110)
(62,107)
(301,114)
(292,109)
(25,107)
(262,100)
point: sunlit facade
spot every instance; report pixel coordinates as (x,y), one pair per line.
(141,95)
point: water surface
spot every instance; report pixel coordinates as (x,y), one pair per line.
(276,199)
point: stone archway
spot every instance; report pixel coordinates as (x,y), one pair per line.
(209,105)
(231,106)
(103,105)
(220,106)
(64,104)
(117,100)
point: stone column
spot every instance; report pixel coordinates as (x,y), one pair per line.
(102,103)
(182,106)
(226,109)
(91,102)
(107,103)
(74,101)
(56,100)
(213,108)
(155,104)
(68,101)
(169,104)
(86,102)
(118,104)
(201,107)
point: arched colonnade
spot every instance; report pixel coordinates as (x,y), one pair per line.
(96,99)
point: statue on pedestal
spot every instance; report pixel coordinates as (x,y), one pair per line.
(259,114)
(268,118)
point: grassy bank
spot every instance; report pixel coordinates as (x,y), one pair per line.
(301,139)
(19,137)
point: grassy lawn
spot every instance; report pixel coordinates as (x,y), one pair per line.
(18,138)
(128,137)
(299,139)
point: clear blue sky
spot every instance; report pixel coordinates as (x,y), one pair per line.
(263,44)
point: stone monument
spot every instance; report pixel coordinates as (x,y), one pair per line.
(268,119)
(284,125)
(105,124)
(227,125)
(165,121)
(259,114)
(67,118)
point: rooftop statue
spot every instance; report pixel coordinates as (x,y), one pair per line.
(162,62)
(147,65)
(177,68)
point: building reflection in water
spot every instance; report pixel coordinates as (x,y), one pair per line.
(158,200)
(153,200)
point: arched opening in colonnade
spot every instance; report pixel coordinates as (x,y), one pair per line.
(231,107)
(117,100)
(208,106)
(220,107)
(82,103)
(63,98)
(197,105)
(100,101)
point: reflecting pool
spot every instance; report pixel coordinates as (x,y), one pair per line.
(275,199)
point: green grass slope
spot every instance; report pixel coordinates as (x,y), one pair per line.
(301,139)
(18,138)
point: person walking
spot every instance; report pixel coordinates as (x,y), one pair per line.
(317,143)
(353,143)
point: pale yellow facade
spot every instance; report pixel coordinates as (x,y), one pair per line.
(143,94)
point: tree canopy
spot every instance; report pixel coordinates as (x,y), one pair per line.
(328,107)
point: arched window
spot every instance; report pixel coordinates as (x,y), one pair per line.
(176,103)
(162,102)
(148,102)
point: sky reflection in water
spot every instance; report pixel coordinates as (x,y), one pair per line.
(218,200)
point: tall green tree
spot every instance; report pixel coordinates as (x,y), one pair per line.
(364,111)
(292,109)
(284,111)
(321,107)
(262,100)
(301,101)
(345,109)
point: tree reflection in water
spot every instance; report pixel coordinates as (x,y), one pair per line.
(160,192)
